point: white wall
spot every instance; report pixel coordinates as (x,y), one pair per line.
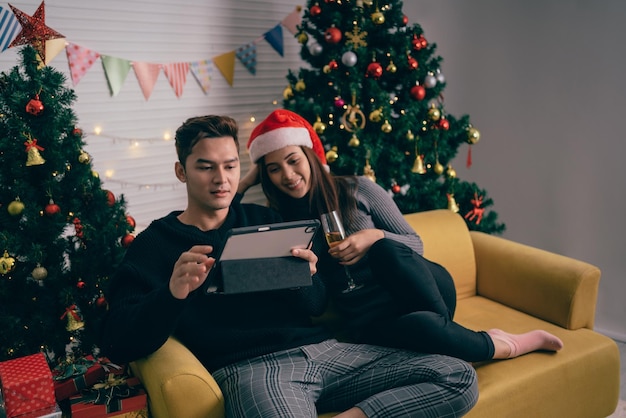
(544,82)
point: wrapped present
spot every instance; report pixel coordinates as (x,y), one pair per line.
(50,412)
(72,376)
(27,384)
(117,396)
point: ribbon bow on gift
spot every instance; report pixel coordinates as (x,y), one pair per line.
(70,367)
(112,389)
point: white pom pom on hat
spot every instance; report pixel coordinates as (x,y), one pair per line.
(280,129)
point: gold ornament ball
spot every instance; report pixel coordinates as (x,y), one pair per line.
(438,168)
(434,114)
(451,172)
(386,127)
(300,85)
(39,273)
(326,69)
(15,208)
(319,127)
(331,155)
(473,135)
(391,68)
(354,141)
(378,18)
(410,135)
(83,158)
(302,38)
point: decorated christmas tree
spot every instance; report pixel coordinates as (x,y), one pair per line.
(61,233)
(373,92)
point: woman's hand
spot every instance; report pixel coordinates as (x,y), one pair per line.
(191,270)
(251,178)
(355,246)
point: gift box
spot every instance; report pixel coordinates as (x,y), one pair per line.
(73,376)
(49,412)
(116,397)
(26,384)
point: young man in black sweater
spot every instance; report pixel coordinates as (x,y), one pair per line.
(262,348)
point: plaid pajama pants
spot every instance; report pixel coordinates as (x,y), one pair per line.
(332,376)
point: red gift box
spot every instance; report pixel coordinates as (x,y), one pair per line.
(127,399)
(50,412)
(27,384)
(95,372)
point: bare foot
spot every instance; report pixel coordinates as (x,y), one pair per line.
(520,344)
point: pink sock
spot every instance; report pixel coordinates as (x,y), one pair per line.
(528,342)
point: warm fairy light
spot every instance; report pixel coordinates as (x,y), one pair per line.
(167,135)
(109,173)
(252,119)
(97,130)
(135,144)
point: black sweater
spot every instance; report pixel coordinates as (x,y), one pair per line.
(219,329)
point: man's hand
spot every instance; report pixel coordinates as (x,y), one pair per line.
(191,270)
(308,255)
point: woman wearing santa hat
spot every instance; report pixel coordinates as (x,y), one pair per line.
(403,300)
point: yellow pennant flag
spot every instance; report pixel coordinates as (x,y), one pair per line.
(53,48)
(226,64)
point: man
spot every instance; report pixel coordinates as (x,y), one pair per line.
(262,349)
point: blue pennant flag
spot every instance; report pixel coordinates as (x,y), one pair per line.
(9,26)
(247,56)
(275,38)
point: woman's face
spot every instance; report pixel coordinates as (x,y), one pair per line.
(289,170)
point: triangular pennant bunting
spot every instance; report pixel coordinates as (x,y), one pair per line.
(147,74)
(177,75)
(202,71)
(293,20)
(247,56)
(80,60)
(226,64)
(275,38)
(116,71)
(9,26)
(53,48)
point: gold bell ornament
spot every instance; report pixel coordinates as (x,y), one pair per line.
(288,93)
(300,85)
(74,321)
(452,203)
(377,17)
(34,157)
(354,141)
(7,263)
(368,171)
(418,165)
(386,127)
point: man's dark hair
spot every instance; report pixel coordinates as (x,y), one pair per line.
(199,127)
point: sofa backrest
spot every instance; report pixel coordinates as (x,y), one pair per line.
(447,241)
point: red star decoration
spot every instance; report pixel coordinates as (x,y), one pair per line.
(34,30)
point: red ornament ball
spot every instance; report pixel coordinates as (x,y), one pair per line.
(34,106)
(52,209)
(81,284)
(374,70)
(444,124)
(405,20)
(131,221)
(101,302)
(110,198)
(77,132)
(332,35)
(315,10)
(418,92)
(395,188)
(333,65)
(413,64)
(127,240)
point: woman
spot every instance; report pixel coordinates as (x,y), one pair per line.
(405,300)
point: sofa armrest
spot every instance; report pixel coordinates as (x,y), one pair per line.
(177,384)
(553,287)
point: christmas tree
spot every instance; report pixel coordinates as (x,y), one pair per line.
(373,92)
(61,234)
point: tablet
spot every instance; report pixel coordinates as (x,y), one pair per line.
(258,258)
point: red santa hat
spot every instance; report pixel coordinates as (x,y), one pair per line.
(280,129)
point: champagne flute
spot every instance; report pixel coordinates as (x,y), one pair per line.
(334,233)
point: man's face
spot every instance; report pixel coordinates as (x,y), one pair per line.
(211,173)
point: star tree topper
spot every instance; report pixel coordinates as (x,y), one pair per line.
(34,30)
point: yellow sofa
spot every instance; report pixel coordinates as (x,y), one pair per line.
(500,284)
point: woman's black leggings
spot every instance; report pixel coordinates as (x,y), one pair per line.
(424,301)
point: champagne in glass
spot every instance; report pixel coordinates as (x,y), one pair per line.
(334,233)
